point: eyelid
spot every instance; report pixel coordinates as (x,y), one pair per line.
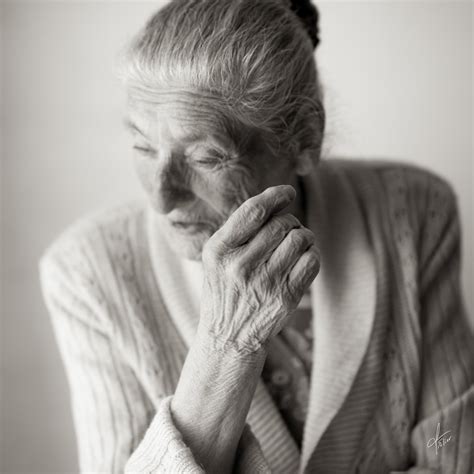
(146,150)
(208,151)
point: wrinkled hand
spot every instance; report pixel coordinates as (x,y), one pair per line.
(257,267)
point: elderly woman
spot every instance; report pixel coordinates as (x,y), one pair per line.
(265,311)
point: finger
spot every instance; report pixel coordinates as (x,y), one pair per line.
(245,222)
(290,250)
(303,273)
(267,239)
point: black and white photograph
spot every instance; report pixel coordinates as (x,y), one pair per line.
(237,237)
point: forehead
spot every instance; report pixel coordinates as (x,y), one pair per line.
(177,117)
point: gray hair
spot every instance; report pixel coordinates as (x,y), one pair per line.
(251,60)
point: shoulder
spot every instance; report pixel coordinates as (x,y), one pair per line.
(408,208)
(398,188)
(88,232)
(87,263)
(392,175)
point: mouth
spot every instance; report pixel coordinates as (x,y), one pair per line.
(190,227)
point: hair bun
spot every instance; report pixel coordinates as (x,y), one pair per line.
(309,16)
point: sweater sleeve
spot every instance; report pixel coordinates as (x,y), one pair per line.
(442,438)
(117,426)
(154,456)
(109,407)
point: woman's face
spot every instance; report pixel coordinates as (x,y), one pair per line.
(194,173)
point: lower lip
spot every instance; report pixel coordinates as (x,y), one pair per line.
(190,228)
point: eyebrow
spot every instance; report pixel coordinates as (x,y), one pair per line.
(131,126)
(192,137)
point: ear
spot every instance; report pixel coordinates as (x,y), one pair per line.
(304,163)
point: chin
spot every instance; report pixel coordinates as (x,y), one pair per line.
(187,246)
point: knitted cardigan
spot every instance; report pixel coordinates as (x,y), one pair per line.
(392,375)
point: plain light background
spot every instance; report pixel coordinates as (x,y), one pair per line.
(398,80)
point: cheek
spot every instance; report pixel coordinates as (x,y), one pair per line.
(225,189)
(145,171)
(177,177)
(221,190)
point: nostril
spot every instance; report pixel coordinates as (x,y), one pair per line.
(170,195)
(170,184)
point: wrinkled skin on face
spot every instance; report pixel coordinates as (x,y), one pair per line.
(194,173)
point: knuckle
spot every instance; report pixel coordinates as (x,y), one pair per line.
(208,254)
(210,251)
(246,206)
(255,212)
(288,221)
(297,237)
(278,225)
(302,237)
(236,270)
(294,220)
(310,237)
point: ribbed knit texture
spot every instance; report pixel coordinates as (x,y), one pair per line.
(288,366)
(399,359)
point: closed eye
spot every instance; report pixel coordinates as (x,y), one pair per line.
(209,158)
(208,161)
(144,150)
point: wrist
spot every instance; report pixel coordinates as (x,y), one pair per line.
(213,396)
(213,345)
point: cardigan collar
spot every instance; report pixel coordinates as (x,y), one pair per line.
(343,300)
(343,297)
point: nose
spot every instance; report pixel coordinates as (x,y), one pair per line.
(170,188)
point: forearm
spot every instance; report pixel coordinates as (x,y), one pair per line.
(212,399)
(256,269)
